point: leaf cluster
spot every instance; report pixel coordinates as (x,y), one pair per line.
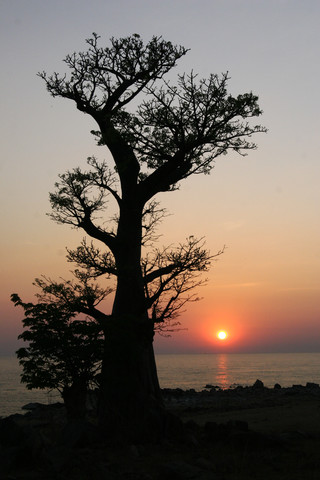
(61,350)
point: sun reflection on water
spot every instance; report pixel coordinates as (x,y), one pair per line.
(222,371)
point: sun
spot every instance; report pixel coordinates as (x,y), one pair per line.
(222,335)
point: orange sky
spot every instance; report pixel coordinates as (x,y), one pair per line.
(264,290)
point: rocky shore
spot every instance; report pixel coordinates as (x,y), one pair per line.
(237,397)
(239,433)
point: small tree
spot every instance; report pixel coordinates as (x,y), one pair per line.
(174,132)
(62,353)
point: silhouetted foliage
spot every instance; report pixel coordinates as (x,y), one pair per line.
(62,353)
(158,133)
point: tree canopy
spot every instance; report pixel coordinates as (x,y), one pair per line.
(60,350)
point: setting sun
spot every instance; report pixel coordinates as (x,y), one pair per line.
(222,335)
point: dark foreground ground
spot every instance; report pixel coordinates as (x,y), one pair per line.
(243,433)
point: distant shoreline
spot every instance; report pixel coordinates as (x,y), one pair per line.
(211,396)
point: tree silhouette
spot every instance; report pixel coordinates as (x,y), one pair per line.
(158,134)
(62,353)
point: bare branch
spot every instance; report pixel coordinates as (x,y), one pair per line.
(79,196)
(152,215)
(94,262)
(171,274)
(104,179)
(106,79)
(180,130)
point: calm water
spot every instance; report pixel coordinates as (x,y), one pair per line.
(225,370)
(184,371)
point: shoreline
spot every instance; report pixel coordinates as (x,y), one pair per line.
(209,396)
(251,432)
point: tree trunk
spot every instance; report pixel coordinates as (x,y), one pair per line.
(131,407)
(74,398)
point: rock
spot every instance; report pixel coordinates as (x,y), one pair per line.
(173,392)
(33,406)
(312,385)
(239,388)
(258,385)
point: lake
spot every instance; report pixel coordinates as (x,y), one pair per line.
(184,371)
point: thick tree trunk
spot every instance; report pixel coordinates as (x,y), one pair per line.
(131,407)
(75,400)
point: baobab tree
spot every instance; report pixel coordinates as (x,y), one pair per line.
(158,134)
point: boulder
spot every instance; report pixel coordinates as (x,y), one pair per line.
(312,385)
(258,385)
(33,406)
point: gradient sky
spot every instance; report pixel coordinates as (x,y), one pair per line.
(265,288)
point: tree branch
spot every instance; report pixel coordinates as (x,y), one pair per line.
(92,260)
(169,274)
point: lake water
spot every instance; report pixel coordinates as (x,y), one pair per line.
(184,371)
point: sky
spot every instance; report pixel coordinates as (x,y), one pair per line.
(264,290)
